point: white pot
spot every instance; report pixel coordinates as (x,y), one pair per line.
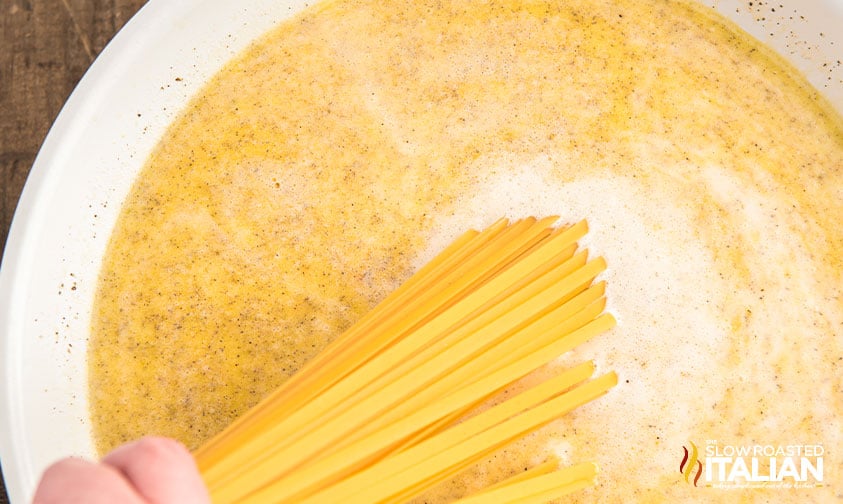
(99,143)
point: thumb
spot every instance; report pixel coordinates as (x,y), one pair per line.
(161,470)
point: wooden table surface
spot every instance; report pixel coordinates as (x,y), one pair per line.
(45,48)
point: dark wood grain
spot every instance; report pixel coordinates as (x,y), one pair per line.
(45,48)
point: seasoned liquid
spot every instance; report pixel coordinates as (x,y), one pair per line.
(345,148)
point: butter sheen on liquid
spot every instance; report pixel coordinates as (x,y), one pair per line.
(342,150)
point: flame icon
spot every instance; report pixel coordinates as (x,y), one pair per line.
(689,461)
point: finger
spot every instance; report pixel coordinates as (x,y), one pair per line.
(162,470)
(73,480)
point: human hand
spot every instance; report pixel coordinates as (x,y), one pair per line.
(152,470)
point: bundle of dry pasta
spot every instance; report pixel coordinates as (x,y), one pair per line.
(385,412)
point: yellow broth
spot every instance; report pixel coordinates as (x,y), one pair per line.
(318,169)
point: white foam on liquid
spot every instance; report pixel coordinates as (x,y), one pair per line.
(662,287)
